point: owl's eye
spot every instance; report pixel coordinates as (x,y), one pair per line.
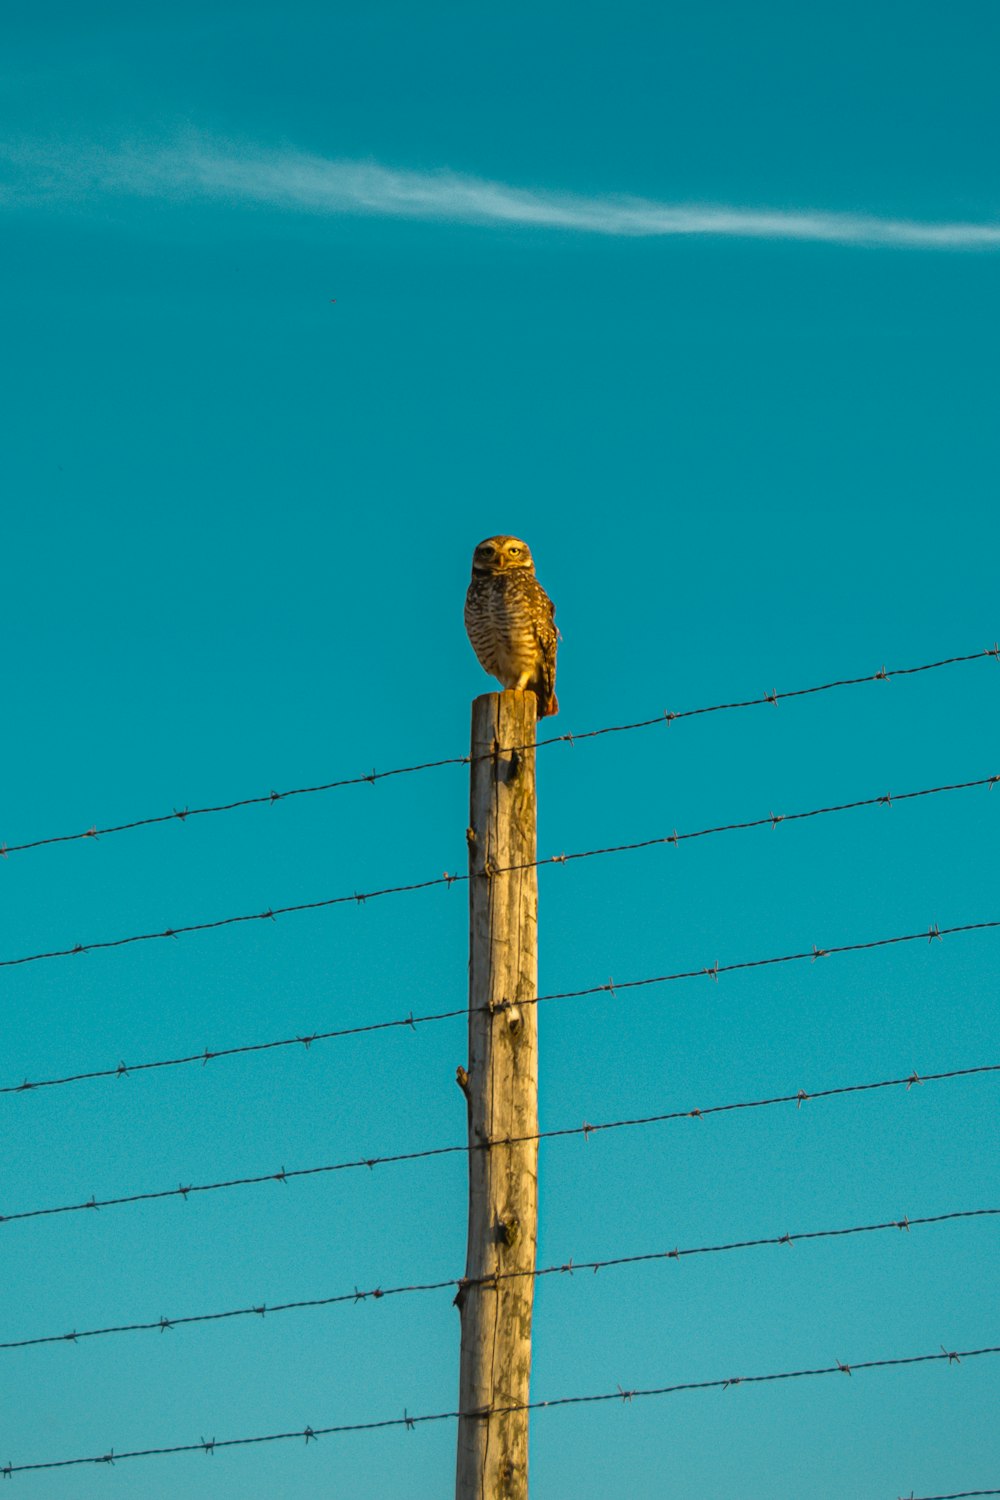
(513,551)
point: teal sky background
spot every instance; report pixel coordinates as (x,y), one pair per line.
(703,303)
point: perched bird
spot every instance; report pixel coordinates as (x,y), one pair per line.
(511,620)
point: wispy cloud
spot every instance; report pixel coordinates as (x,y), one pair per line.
(296,181)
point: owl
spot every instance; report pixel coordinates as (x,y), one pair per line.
(511,620)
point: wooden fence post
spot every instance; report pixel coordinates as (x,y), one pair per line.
(501,1087)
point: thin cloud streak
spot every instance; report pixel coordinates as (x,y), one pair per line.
(296,181)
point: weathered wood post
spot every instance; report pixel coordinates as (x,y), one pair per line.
(501,1087)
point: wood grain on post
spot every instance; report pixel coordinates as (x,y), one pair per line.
(502,1092)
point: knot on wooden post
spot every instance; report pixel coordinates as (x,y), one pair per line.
(509,1230)
(508,771)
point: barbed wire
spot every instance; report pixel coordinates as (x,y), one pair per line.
(377,1293)
(667,717)
(586,1130)
(312,1434)
(411,1022)
(882,675)
(772,820)
(955,1495)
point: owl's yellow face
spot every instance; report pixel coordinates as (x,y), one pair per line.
(498,553)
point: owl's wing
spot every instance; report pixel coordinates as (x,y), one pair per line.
(548,636)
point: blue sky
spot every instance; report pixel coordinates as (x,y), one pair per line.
(703,303)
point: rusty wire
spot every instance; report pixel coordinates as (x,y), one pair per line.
(772,820)
(907,1081)
(667,717)
(377,1293)
(408,1423)
(411,1022)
